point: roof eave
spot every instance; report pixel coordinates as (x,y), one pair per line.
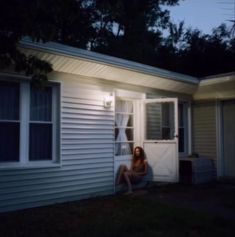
(68,51)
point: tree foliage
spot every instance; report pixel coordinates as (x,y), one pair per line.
(200,54)
(130,29)
(66,21)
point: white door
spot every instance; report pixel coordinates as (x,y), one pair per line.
(161,138)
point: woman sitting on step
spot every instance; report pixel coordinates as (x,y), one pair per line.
(135,174)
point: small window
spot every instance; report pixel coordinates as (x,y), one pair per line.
(9,121)
(124,128)
(160,121)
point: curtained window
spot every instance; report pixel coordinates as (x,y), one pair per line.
(124,126)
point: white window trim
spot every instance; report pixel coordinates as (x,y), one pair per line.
(189,130)
(24,122)
(186,127)
(24,105)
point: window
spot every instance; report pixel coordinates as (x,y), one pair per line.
(28,113)
(124,127)
(160,121)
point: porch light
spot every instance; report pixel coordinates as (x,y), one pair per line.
(108,99)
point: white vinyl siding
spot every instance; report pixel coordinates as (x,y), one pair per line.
(204,129)
(87,165)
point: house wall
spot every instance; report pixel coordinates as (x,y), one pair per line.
(204,129)
(86,164)
(86,167)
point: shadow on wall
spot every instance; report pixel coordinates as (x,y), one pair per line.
(149,176)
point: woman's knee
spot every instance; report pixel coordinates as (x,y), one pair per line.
(123,168)
(127,173)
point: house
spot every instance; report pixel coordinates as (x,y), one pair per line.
(66,142)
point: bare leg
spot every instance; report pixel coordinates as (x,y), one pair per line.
(122,170)
(127,179)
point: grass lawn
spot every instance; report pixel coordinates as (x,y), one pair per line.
(113,216)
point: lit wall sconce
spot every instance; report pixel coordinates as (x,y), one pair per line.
(108,99)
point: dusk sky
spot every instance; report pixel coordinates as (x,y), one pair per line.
(203,14)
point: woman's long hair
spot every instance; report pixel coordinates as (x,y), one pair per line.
(141,156)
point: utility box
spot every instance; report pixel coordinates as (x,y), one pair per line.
(196,170)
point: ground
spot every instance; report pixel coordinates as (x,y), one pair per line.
(214,198)
(158,210)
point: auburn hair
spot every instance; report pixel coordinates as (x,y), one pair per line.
(141,156)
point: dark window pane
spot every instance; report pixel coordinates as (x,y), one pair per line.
(181,139)
(129,134)
(9,100)
(40,103)
(9,142)
(160,121)
(130,121)
(166,134)
(116,133)
(181,114)
(40,143)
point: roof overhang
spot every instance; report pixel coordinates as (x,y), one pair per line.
(90,64)
(216,87)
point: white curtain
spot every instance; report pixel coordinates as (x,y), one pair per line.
(123,109)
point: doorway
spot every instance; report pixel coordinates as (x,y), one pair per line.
(152,124)
(228,131)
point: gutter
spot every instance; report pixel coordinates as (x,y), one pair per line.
(212,80)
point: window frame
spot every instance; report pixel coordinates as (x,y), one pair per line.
(185,127)
(24,123)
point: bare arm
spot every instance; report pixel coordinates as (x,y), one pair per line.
(145,169)
(132,164)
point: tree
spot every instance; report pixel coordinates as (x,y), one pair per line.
(128,29)
(198,54)
(137,27)
(66,21)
